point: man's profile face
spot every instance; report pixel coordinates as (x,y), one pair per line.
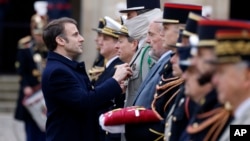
(206,70)
(131,14)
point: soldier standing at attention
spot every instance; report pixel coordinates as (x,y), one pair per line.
(232,73)
(31,59)
(139,14)
(110,53)
(99,63)
(207,124)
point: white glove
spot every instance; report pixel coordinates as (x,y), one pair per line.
(111,129)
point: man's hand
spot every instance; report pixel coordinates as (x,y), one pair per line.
(28,91)
(122,72)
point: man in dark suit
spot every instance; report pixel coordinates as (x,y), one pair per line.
(71,101)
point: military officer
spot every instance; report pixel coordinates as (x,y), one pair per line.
(139,14)
(206,123)
(99,62)
(109,51)
(182,109)
(126,45)
(30,61)
(232,74)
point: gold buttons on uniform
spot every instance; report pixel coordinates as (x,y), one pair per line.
(160,82)
(169,134)
(174,118)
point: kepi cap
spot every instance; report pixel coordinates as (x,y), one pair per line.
(232,46)
(191,24)
(207,28)
(178,12)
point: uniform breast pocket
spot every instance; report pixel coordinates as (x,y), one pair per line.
(135,75)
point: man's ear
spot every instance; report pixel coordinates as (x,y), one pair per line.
(135,44)
(247,78)
(60,40)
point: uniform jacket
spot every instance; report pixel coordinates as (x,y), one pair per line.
(29,74)
(117,102)
(140,67)
(243,120)
(108,73)
(144,97)
(71,101)
(204,114)
(178,118)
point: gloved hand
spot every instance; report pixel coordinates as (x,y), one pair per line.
(111,129)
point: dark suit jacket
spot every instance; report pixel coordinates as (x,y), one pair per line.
(71,101)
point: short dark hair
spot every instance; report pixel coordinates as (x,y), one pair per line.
(54,29)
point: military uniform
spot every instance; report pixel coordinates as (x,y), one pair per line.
(211,117)
(141,65)
(100,61)
(232,48)
(177,121)
(208,122)
(162,98)
(183,107)
(118,102)
(30,63)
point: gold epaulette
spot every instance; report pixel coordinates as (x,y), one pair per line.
(169,82)
(165,97)
(215,120)
(23,42)
(96,69)
(95,72)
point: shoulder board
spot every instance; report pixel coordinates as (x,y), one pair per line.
(22,43)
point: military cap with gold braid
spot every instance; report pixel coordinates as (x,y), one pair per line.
(178,12)
(207,28)
(232,46)
(123,30)
(111,27)
(101,25)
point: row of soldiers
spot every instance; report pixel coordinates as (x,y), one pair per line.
(190,73)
